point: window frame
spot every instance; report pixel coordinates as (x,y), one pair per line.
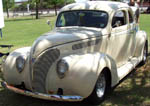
(130,15)
(125,18)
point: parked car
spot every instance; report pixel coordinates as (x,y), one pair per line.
(92,47)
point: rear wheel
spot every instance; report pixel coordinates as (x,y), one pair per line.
(100,89)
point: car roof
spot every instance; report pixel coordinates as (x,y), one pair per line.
(108,6)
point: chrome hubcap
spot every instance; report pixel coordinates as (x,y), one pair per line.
(101,85)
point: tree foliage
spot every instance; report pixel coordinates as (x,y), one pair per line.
(8,4)
(48,4)
(35,4)
(69,1)
(56,3)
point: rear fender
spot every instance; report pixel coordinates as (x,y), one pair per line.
(141,38)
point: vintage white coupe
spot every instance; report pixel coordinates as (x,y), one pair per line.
(92,47)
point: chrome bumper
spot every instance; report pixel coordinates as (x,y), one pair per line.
(41,95)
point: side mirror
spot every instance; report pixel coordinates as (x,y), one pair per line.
(49,23)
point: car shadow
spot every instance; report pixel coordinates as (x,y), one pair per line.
(8,98)
(133,90)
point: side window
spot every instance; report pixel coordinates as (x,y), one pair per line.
(130,17)
(119,19)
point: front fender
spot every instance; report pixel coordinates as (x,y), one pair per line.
(84,71)
(10,73)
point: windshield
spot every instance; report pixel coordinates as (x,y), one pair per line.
(96,19)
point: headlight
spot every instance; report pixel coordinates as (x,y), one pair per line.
(20,63)
(62,68)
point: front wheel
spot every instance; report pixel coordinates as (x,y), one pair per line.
(100,90)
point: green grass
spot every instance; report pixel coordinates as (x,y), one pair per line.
(133,91)
(22,32)
(145,23)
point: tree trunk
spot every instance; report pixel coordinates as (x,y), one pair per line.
(65,2)
(55,9)
(37,10)
(23,12)
(7,10)
(41,6)
(48,11)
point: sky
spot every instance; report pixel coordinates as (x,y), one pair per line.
(81,0)
(19,0)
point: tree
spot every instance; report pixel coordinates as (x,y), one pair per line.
(23,7)
(7,5)
(37,8)
(37,3)
(69,1)
(48,4)
(55,3)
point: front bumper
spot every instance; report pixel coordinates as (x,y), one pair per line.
(41,95)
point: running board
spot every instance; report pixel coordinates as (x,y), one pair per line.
(128,67)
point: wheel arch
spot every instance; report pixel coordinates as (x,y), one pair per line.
(93,97)
(107,65)
(108,75)
(141,40)
(85,70)
(146,44)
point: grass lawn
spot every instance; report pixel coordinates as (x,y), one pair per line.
(145,23)
(133,91)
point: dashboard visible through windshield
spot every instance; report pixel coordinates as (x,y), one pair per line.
(84,18)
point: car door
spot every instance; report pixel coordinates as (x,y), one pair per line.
(131,33)
(118,41)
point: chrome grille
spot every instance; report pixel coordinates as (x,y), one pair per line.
(41,67)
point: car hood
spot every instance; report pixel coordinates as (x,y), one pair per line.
(60,36)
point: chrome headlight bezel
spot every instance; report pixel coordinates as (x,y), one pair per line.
(20,63)
(62,68)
